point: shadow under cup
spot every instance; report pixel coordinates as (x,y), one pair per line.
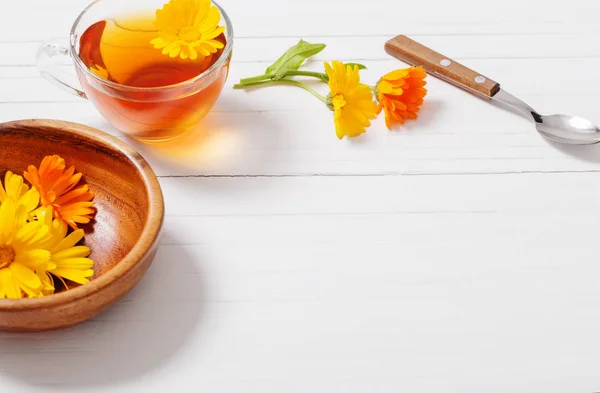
(150,114)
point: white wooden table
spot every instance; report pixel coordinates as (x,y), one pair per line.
(456,255)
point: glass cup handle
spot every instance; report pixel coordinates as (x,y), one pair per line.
(47,62)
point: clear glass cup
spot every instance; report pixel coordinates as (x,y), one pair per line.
(146,113)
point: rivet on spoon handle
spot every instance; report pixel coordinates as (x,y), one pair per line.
(436,64)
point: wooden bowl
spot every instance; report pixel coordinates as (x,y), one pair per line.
(124,235)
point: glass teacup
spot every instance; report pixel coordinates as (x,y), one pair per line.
(145,113)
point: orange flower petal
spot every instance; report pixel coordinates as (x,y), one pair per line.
(400,95)
(79,194)
(58,189)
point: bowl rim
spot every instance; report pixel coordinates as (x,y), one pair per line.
(145,244)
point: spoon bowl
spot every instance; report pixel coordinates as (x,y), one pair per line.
(568,129)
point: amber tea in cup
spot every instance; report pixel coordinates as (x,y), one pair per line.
(146,94)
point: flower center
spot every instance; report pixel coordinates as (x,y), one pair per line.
(336,102)
(189,34)
(7,256)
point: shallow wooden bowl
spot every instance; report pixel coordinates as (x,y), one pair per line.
(124,235)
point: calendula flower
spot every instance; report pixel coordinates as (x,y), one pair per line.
(17,191)
(21,252)
(67,260)
(400,94)
(188,28)
(57,189)
(350,100)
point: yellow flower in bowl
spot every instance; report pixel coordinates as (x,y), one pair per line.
(21,252)
(67,260)
(16,190)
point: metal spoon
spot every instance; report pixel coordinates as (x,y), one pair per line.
(559,128)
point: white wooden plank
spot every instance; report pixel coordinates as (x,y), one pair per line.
(24,84)
(381,195)
(341,17)
(459,47)
(259,133)
(249,143)
(352,301)
(538,77)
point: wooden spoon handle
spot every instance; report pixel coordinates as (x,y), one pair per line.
(415,54)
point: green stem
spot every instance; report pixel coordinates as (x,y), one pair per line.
(312,74)
(282,82)
(319,75)
(254,79)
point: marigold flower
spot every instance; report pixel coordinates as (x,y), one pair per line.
(188,28)
(67,260)
(21,252)
(351,101)
(57,188)
(400,94)
(16,190)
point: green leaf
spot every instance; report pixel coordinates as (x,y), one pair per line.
(360,66)
(293,58)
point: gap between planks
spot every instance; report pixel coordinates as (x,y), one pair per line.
(377,35)
(381,59)
(385,174)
